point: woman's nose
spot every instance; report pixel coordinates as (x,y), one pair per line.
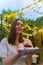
(20,26)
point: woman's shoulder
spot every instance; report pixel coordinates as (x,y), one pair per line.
(4,40)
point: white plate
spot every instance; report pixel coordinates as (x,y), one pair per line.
(28,49)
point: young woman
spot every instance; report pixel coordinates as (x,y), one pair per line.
(9,46)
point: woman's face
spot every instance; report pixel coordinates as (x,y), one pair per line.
(19,27)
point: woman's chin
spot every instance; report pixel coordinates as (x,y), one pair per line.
(19,32)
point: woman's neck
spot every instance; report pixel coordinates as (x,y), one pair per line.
(17,40)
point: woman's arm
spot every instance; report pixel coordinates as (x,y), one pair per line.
(10,60)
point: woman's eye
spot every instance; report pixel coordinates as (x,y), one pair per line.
(20,24)
(17,24)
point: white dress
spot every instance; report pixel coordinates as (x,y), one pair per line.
(7,49)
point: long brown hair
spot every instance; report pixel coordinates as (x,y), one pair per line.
(12,34)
